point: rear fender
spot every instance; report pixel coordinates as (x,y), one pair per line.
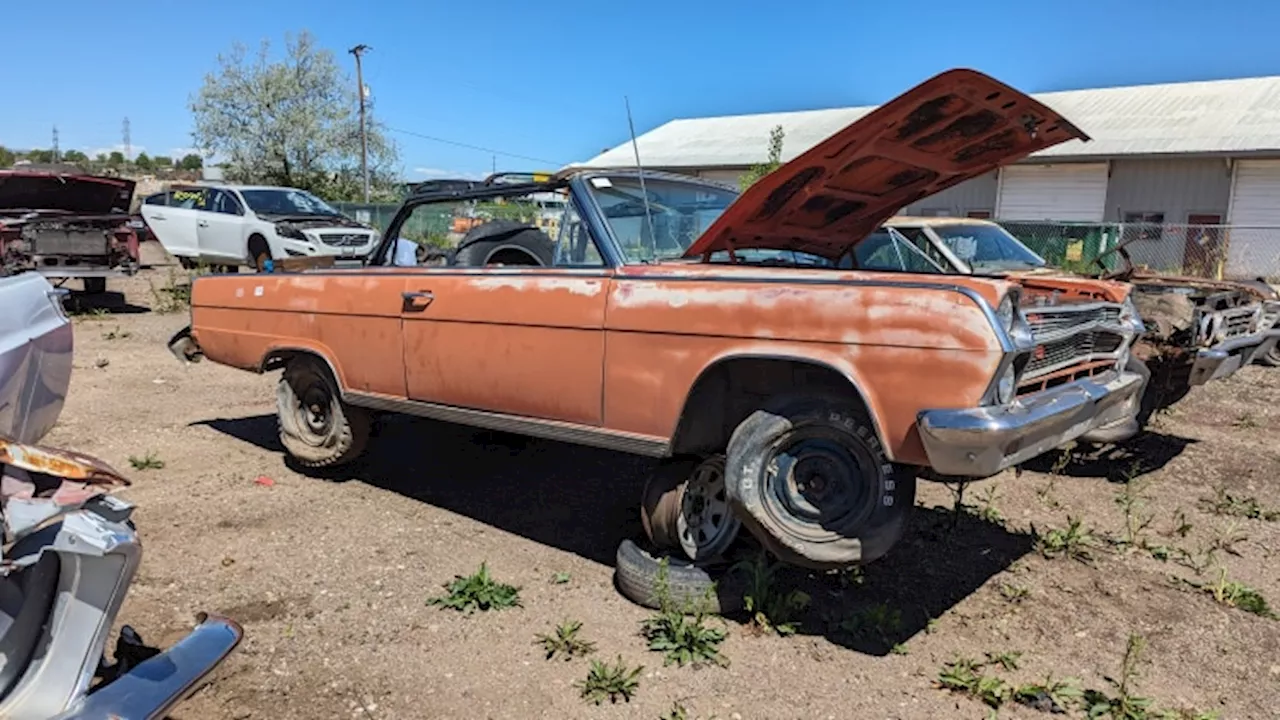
(278,355)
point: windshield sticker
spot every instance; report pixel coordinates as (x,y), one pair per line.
(601,182)
(1075,251)
(184,195)
(965,247)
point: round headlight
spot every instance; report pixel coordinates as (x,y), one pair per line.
(1007,385)
(1005,312)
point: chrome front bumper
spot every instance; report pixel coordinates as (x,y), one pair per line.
(982,441)
(157,684)
(1225,358)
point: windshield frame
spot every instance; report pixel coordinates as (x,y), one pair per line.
(930,231)
(244,198)
(603,229)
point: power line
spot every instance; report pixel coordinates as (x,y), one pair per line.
(491,151)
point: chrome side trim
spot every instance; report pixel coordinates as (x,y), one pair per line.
(548,429)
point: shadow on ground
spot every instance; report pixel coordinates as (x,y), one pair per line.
(581,500)
(585,501)
(111,303)
(1145,453)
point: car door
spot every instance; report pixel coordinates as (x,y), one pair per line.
(173,222)
(220,227)
(525,341)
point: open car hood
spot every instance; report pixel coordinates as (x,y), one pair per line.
(80,194)
(953,127)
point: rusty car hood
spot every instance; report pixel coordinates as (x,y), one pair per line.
(953,127)
(80,194)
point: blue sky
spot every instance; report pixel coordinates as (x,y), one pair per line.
(547,80)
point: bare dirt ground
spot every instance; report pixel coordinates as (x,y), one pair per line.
(330,577)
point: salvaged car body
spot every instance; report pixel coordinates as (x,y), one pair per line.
(234,225)
(792,382)
(67,226)
(1197,330)
(35,356)
(70,553)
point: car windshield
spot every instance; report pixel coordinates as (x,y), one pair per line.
(678,212)
(286,201)
(987,247)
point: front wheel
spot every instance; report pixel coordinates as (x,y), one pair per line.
(808,477)
(316,427)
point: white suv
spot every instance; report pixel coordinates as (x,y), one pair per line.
(247,225)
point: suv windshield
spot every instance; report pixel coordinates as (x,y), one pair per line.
(286,201)
(987,247)
(678,213)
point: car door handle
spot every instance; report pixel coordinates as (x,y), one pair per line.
(202,223)
(417,301)
(157,216)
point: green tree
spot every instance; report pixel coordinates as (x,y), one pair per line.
(115,159)
(101,158)
(40,156)
(756,172)
(75,156)
(292,121)
(191,161)
(144,162)
(7,157)
(162,161)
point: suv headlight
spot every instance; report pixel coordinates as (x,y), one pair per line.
(285,230)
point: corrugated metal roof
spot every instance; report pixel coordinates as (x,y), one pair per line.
(1218,116)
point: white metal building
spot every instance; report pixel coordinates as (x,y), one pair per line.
(1196,152)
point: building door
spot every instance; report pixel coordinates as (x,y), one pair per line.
(1254,215)
(1063,192)
(1204,251)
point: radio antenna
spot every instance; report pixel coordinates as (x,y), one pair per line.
(644,194)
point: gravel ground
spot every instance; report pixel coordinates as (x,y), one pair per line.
(330,577)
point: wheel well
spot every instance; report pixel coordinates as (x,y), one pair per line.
(256,242)
(727,392)
(512,255)
(277,359)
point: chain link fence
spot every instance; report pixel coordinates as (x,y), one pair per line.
(1207,251)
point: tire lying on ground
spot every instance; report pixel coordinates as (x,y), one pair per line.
(636,574)
(504,242)
(808,477)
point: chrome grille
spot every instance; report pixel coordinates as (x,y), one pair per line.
(1071,335)
(1047,322)
(1270,315)
(344,239)
(1237,322)
(1074,350)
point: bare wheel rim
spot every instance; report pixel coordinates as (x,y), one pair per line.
(314,414)
(815,484)
(706,525)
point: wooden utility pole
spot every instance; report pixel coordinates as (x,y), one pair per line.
(364,138)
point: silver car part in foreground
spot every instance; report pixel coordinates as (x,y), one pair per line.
(35,356)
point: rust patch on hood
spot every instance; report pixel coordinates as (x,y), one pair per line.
(65,464)
(953,127)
